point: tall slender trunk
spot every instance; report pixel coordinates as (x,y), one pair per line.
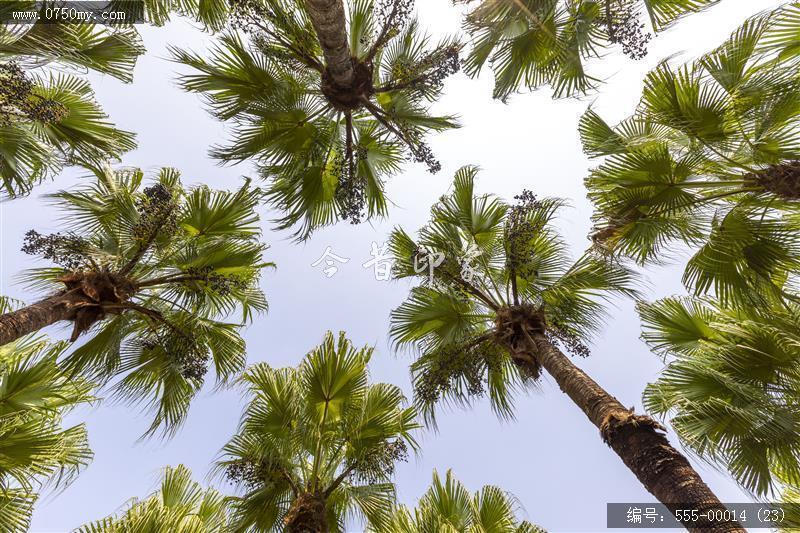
(328,19)
(637,440)
(32,318)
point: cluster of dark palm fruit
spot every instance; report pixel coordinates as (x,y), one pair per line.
(19,101)
(68,251)
(379,463)
(221,284)
(252,474)
(519,234)
(626,29)
(158,213)
(455,366)
(183,350)
(350,189)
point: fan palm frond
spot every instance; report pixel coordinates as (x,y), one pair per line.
(50,119)
(531,43)
(49,116)
(36,448)
(448,507)
(730,385)
(317,444)
(180,505)
(709,159)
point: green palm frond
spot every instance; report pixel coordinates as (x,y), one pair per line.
(730,385)
(530,43)
(16,508)
(180,505)
(49,122)
(477,260)
(791,496)
(747,256)
(36,449)
(664,13)
(325,151)
(84,133)
(448,507)
(108,49)
(168,268)
(709,159)
(317,440)
(8,304)
(212,14)
(51,119)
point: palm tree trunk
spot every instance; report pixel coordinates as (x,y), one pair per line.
(307,514)
(637,440)
(32,318)
(327,17)
(782,180)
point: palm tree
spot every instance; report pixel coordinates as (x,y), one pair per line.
(709,158)
(498,295)
(50,118)
(180,505)
(317,444)
(731,385)
(327,107)
(448,507)
(150,272)
(530,43)
(36,449)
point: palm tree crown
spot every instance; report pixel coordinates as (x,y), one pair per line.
(710,158)
(731,385)
(448,507)
(36,449)
(499,267)
(180,505)
(50,118)
(317,443)
(529,43)
(149,272)
(325,136)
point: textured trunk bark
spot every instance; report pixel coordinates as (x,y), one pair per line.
(307,514)
(637,440)
(306,527)
(34,317)
(328,19)
(782,180)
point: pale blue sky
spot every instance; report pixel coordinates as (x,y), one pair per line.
(551,457)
